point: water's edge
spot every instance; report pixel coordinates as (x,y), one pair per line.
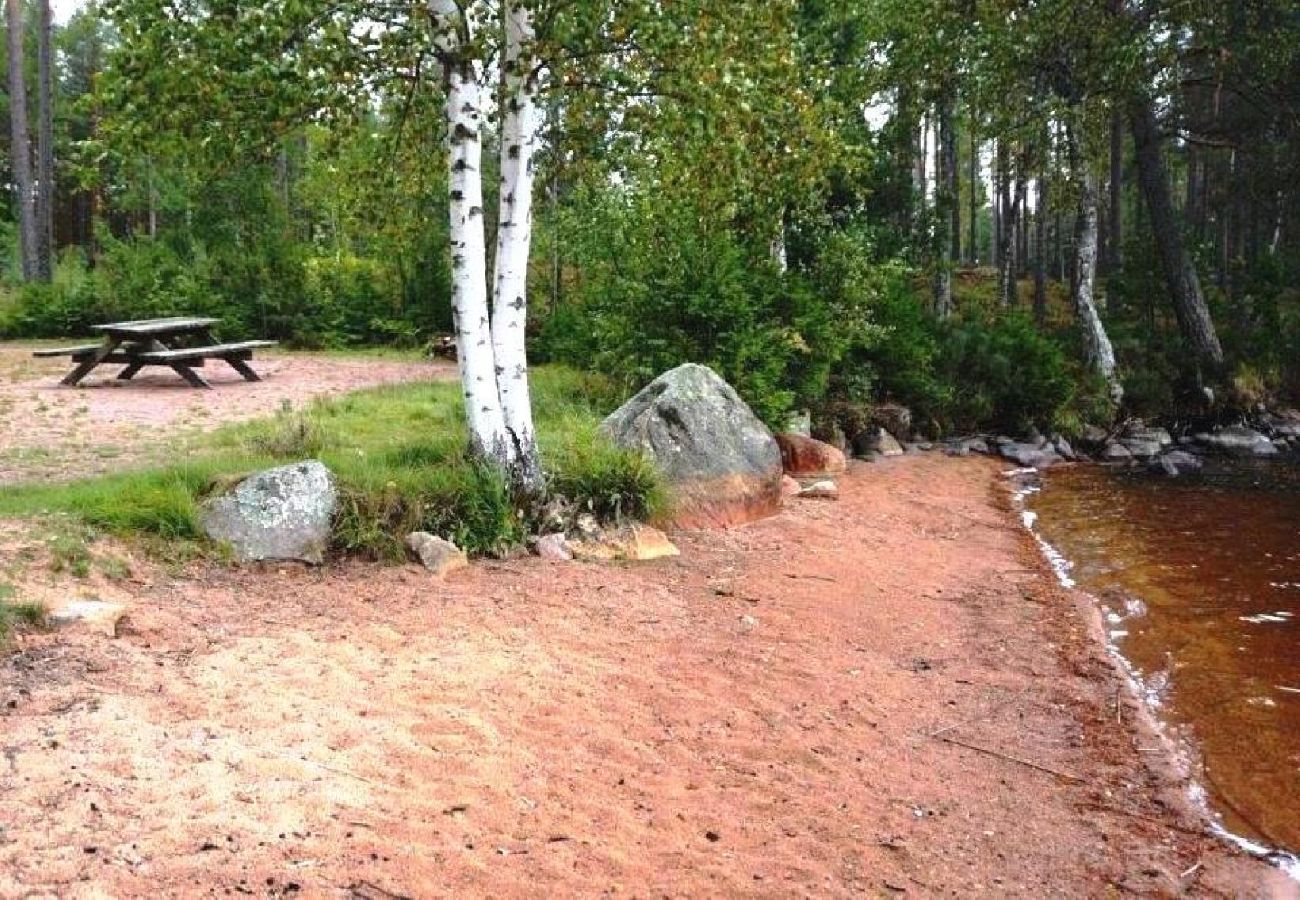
(1024,484)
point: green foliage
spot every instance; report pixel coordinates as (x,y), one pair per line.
(663,285)
(1002,374)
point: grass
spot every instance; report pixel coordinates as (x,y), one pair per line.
(13,612)
(399,454)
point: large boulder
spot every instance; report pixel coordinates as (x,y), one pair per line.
(1029,455)
(282,513)
(807,456)
(719,459)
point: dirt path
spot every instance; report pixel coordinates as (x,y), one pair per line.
(750,719)
(56,432)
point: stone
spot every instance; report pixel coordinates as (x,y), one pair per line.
(790,487)
(976,445)
(876,440)
(439,555)
(1063,449)
(1142,449)
(805,456)
(820,490)
(1283,425)
(97,615)
(1115,452)
(635,543)
(554,546)
(1029,456)
(282,513)
(1093,439)
(1175,463)
(720,462)
(1237,441)
(894,418)
(1138,432)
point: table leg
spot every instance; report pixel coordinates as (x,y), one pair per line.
(188,373)
(86,366)
(130,372)
(242,368)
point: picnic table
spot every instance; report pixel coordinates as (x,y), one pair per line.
(180,343)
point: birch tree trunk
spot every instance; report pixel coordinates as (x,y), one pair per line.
(1008,294)
(454,35)
(20,141)
(1098,353)
(1180,273)
(520,124)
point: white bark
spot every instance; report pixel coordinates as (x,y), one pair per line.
(453,29)
(1098,352)
(520,124)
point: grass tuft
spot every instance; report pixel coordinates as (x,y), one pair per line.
(14,613)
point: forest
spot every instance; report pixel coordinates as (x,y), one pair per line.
(1002,215)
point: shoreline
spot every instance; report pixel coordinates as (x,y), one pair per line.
(887,694)
(1181,755)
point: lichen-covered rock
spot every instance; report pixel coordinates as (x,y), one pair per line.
(439,555)
(282,513)
(720,461)
(554,546)
(806,456)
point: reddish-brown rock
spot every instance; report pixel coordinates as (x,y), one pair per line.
(807,456)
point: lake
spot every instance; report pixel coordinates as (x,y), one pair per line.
(1199,578)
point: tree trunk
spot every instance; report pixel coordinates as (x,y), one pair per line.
(469,301)
(1180,274)
(1115,245)
(20,142)
(945,202)
(973,252)
(1007,288)
(45,146)
(521,122)
(1040,254)
(1098,353)
(999,179)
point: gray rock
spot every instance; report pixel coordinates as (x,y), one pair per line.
(1142,449)
(1176,462)
(894,418)
(1115,452)
(554,546)
(439,555)
(1063,449)
(876,440)
(1136,431)
(976,445)
(1029,456)
(719,459)
(1237,441)
(281,513)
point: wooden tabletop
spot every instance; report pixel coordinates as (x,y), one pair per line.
(148,327)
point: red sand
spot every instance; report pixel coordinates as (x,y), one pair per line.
(758,717)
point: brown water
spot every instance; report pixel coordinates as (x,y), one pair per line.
(1201,582)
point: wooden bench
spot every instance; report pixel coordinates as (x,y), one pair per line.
(235,355)
(80,350)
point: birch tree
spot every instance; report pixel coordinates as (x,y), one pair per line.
(490,338)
